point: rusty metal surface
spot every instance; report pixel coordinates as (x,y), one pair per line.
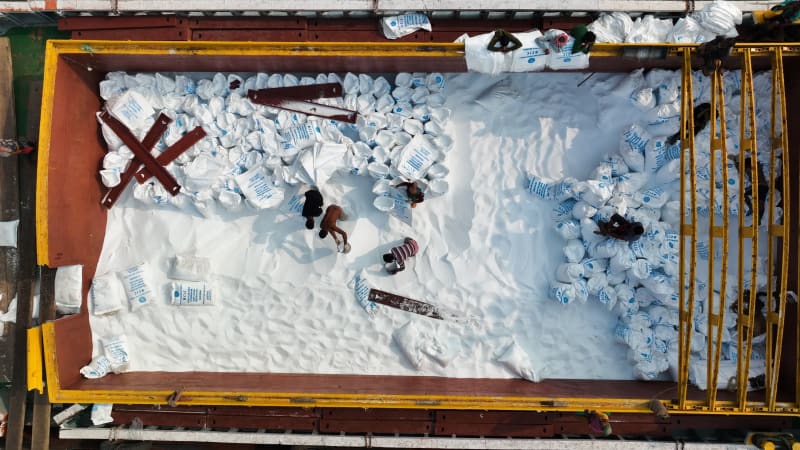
(142,154)
(111,23)
(347,29)
(404,303)
(175,150)
(310,92)
(527,424)
(153,135)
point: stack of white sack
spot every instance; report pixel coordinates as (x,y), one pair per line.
(251,152)
(638,280)
(718,18)
(530,57)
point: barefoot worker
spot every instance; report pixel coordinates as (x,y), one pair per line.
(328,225)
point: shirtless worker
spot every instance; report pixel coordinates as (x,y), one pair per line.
(328,225)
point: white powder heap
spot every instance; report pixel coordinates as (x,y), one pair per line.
(488,251)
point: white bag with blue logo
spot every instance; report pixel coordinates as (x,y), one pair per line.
(360,286)
(566,60)
(259,188)
(530,57)
(632,146)
(402,25)
(136,280)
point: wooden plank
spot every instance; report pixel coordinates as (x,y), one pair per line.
(26,246)
(40,431)
(404,303)
(9,206)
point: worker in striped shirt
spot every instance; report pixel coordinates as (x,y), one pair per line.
(399,254)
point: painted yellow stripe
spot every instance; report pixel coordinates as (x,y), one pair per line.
(50,361)
(341,48)
(35,376)
(43,150)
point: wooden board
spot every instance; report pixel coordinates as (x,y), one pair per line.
(26,276)
(9,197)
(40,432)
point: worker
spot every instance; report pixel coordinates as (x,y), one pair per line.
(584,39)
(415,195)
(714,53)
(11,147)
(312,207)
(503,41)
(328,225)
(620,228)
(399,254)
(701,115)
(598,422)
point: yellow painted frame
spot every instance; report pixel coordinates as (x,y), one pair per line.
(305,399)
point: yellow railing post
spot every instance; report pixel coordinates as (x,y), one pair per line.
(686,301)
(715,307)
(776,313)
(747,143)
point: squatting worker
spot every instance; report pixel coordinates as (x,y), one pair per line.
(399,254)
(328,225)
(312,207)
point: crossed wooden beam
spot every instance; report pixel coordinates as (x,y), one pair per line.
(145,165)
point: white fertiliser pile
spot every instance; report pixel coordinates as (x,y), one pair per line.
(489,252)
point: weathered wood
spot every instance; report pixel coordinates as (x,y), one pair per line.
(404,303)
(26,246)
(40,438)
(9,198)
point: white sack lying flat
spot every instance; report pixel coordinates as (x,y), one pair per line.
(8,233)
(69,288)
(517,361)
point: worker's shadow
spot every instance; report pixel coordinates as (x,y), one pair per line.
(302,253)
(289,235)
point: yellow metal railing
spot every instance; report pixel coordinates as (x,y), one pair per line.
(776,313)
(686,306)
(776,229)
(747,144)
(715,306)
